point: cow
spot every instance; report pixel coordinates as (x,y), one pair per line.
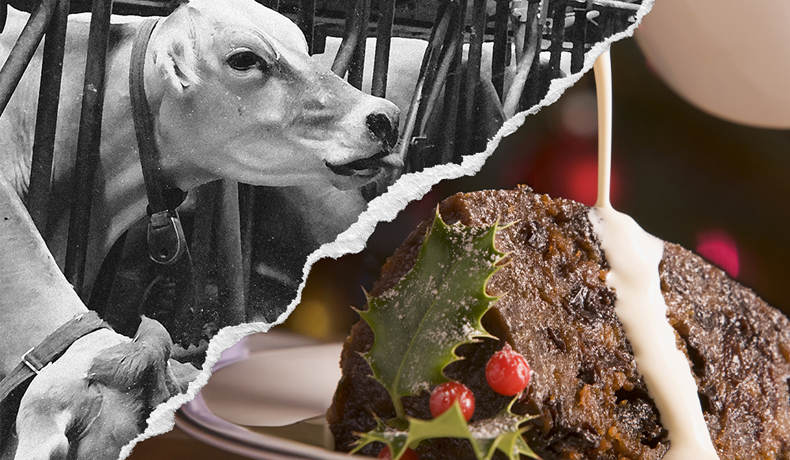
(94,398)
(233,95)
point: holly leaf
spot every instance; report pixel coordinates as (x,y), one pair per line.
(501,433)
(419,323)
(432,310)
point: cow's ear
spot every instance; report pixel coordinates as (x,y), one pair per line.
(142,363)
(178,46)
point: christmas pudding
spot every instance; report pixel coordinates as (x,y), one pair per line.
(523,274)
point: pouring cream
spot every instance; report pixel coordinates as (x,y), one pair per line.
(634,256)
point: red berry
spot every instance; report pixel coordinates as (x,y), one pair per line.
(507,372)
(444,395)
(385,454)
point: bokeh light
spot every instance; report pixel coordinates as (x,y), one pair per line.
(719,248)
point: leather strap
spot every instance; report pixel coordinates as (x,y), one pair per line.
(166,240)
(167,244)
(49,350)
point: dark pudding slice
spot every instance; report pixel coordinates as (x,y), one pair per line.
(557,311)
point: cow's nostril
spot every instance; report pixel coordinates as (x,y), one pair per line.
(383,128)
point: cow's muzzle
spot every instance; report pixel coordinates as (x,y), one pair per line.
(369,166)
(383,128)
(373,174)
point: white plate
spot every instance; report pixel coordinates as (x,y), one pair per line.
(266,399)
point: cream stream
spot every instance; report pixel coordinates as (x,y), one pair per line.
(633,256)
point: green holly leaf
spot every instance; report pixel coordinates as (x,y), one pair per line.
(432,310)
(419,323)
(501,433)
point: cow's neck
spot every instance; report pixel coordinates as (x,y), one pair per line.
(118,202)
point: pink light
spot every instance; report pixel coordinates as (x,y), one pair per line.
(578,180)
(581,180)
(718,247)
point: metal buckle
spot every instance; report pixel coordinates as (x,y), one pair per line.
(166,240)
(34,364)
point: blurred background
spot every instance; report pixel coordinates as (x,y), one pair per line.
(718,188)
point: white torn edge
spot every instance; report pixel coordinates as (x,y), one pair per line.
(381,209)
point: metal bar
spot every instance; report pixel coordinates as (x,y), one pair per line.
(350,39)
(472,77)
(429,58)
(142,7)
(143,4)
(200,244)
(617,5)
(47,118)
(247,203)
(182,274)
(24,49)
(230,276)
(306,21)
(438,33)
(579,33)
(356,68)
(88,142)
(543,18)
(454,43)
(449,62)
(557,36)
(441,35)
(383,39)
(452,93)
(501,47)
(609,23)
(527,65)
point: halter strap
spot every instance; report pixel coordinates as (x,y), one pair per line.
(167,244)
(166,240)
(49,350)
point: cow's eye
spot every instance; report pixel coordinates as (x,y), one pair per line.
(246,60)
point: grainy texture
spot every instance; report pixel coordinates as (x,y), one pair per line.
(739,349)
(558,312)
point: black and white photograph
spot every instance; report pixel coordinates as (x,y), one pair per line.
(275,224)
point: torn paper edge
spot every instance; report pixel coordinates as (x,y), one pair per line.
(384,208)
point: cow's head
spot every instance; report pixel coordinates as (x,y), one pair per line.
(241,99)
